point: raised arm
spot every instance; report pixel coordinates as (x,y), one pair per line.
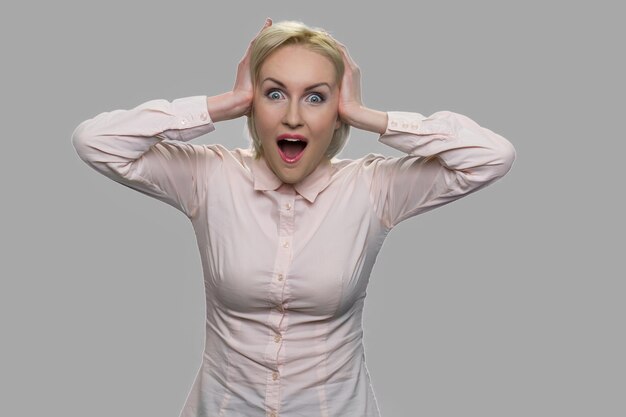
(129,147)
(144,148)
(448,154)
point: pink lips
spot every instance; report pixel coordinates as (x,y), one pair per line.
(292,136)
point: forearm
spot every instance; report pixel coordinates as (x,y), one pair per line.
(227,106)
(364,118)
(448,156)
(461,145)
(130,147)
(122,136)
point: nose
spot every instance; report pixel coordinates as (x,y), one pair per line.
(292,116)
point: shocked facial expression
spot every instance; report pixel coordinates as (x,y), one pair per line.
(295,104)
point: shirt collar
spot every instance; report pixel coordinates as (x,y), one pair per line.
(309,187)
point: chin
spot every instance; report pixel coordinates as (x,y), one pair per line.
(291,179)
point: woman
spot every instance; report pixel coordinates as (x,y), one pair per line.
(288,234)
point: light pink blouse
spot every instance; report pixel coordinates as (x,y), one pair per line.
(286,268)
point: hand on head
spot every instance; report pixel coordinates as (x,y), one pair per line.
(243,81)
(350,92)
(350,107)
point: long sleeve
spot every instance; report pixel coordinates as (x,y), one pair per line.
(448,156)
(143,148)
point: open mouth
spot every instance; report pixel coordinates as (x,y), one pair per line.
(291,149)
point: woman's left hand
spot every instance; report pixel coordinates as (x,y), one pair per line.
(351,109)
(350,92)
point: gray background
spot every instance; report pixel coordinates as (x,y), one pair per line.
(508,302)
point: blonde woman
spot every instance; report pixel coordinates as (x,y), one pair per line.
(288,233)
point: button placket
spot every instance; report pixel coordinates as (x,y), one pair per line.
(277,319)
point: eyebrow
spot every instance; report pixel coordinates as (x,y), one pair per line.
(311,87)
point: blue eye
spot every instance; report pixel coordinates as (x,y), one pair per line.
(274,95)
(316,98)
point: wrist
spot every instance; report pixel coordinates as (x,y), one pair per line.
(228,106)
(364,118)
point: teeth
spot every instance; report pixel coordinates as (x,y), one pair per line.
(292,140)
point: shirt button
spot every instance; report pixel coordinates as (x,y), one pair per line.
(415,126)
(280,277)
(275,376)
(273,414)
(286,245)
(288,205)
(183,121)
(204,116)
(280,308)
(405,125)
(394,123)
(277,338)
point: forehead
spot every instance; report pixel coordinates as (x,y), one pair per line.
(295,65)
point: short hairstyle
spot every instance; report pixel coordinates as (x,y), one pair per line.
(315,39)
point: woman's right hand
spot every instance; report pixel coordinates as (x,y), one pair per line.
(243,82)
(238,102)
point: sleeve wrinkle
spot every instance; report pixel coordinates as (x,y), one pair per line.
(144,148)
(448,156)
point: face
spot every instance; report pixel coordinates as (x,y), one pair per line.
(296,110)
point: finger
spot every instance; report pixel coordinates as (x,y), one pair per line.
(341,45)
(348,60)
(268,23)
(345,53)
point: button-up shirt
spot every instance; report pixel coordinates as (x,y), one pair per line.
(286,267)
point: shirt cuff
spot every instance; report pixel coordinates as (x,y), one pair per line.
(191,112)
(191,117)
(400,121)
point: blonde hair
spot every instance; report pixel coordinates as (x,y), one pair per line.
(315,39)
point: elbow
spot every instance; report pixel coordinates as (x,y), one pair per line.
(508,155)
(81,141)
(504,157)
(496,166)
(78,139)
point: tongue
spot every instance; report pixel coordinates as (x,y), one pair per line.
(292,149)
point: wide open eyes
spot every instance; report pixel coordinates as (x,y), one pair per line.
(275,94)
(316,98)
